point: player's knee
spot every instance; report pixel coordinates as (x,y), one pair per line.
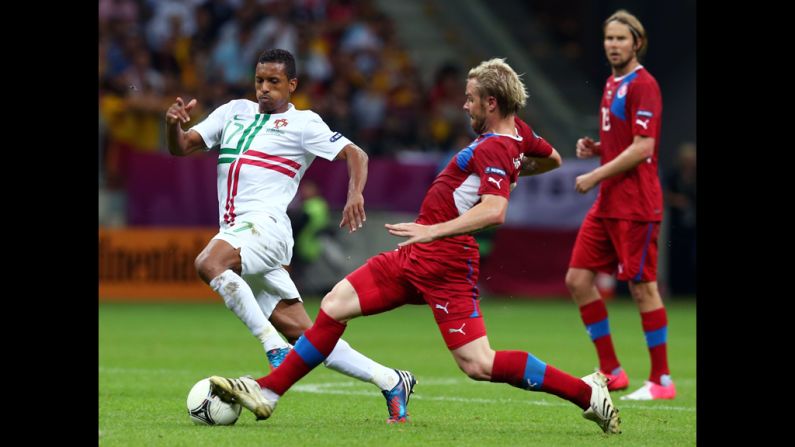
(330,301)
(334,302)
(643,292)
(576,282)
(203,267)
(209,268)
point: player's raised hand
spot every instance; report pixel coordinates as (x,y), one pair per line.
(353,214)
(179,111)
(416,233)
(586,148)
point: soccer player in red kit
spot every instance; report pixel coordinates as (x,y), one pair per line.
(438,265)
(620,230)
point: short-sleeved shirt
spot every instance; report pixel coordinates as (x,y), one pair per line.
(631,105)
(262,157)
(488,165)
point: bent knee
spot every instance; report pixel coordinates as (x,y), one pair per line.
(331,300)
(644,292)
(204,267)
(577,282)
(341,303)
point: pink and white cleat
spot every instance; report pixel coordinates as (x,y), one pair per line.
(617,382)
(653,391)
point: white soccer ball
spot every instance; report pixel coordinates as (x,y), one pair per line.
(205,408)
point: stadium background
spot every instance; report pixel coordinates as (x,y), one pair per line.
(388,75)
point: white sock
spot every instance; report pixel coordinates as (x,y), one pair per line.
(270,395)
(240,299)
(350,362)
(271,339)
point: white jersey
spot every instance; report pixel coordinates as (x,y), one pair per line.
(262,157)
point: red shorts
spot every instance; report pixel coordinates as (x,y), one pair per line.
(606,244)
(448,285)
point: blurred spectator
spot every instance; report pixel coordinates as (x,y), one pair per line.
(447,120)
(103,135)
(337,107)
(369,111)
(354,71)
(164,12)
(680,196)
(276,30)
(315,240)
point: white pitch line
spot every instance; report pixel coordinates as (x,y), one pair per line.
(334,388)
(324,388)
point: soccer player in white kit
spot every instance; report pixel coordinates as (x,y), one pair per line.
(265,148)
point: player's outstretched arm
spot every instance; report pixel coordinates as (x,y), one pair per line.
(640,149)
(353,215)
(489,212)
(180,142)
(540,165)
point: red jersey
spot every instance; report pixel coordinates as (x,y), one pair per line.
(487,166)
(631,105)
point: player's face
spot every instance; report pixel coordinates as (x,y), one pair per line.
(273,87)
(475,107)
(619,45)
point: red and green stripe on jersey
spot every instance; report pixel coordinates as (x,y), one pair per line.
(232,156)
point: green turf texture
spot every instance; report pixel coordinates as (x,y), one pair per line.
(151,354)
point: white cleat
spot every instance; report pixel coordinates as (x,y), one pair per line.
(602,411)
(244,391)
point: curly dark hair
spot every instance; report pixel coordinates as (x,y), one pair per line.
(280,56)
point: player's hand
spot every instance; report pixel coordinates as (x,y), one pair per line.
(527,164)
(179,111)
(586,148)
(585,183)
(353,214)
(416,233)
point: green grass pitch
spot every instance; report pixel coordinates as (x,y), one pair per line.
(151,354)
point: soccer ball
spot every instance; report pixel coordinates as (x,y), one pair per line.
(205,408)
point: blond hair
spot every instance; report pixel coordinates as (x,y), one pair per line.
(496,78)
(634,25)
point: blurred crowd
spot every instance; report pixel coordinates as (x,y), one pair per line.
(351,71)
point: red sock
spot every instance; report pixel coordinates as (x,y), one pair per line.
(655,326)
(509,368)
(567,386)
(523,370)
(310,350)
(594,315)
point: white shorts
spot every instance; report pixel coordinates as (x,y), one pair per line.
(271,287)
(264,245)
(265,248)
